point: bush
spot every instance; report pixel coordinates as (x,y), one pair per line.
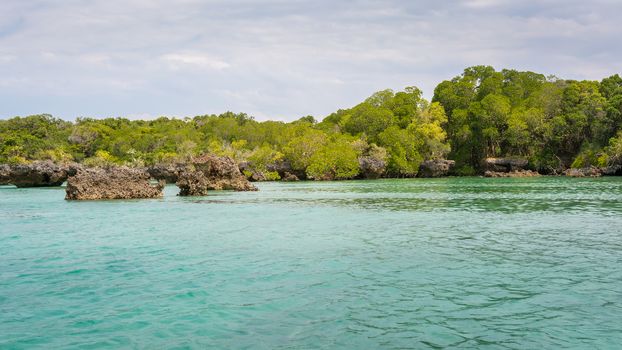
(336,161)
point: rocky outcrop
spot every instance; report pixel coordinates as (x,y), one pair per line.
(584,172)
(613,170)
(168,172)
(112,183)
(436,168)
(251,173)
(5,174)
(371,167)
(210,172)
(283,168)
(515,173)
(38,174)
(258,176)
(504,165)
(289,177)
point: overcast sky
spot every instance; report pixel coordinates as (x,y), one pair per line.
(279,59)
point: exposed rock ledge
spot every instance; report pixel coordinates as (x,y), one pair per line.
(583,172)
(210,172)
(504,164)
(5,174)
(167,171)
(435,168)
(515,173)
(614,170)
(37,174)
(112,183)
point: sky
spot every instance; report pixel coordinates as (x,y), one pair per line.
(280,59)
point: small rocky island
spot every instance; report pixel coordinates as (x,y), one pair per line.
(112,183)
(37,174)
(195,178)
(210,172)
(201,174)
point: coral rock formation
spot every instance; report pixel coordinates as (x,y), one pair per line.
(168,172)
(210,172)
(584,172)
(515,173)
(372,167)
(435,168)
(38,174)
(504,164)
(112,183)
(5,174)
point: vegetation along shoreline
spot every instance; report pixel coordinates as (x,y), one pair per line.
(482,122)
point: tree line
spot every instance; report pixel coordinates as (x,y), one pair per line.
(552,122)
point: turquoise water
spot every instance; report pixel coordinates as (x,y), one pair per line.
(464,262)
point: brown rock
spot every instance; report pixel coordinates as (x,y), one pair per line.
(284,167)
(372,167)
(210,172)
(435,168)
(112,183)
(583,172)
(5,174)
(515,173)
(504,164)
(168,172)
(39,174)
(289,177)
(612,170)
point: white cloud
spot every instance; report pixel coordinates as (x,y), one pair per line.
(276,58)
(179,60)
(483,3)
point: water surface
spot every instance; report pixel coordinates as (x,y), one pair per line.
(459,262)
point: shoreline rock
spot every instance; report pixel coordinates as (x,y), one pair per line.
(612,170)
(436,168)
(112,183)
(584,172)
(515,173)
(168,172)
(504,165)
(371,167)
(289,177)
(5,174)
(37,174)
(210,172)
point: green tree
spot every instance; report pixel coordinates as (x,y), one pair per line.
(336,160)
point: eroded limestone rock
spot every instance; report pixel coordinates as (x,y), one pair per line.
(38,174)
(583,172)
(436,168)
(5,174)
(504,164)
(613,170)
(515,173)
(112,183)
(372,167)
(210,172)
(289,177)
(168,172)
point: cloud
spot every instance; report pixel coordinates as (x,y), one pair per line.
(279,59)
(179,60)
(482,3)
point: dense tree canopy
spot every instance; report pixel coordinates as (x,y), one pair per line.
(482,113)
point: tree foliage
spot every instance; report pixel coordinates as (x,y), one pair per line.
(481,113)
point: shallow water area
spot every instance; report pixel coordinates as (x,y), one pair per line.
(412,263)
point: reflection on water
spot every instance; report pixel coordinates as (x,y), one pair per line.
(459,194)
(464,262)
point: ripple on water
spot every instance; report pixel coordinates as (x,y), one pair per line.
(464,262)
